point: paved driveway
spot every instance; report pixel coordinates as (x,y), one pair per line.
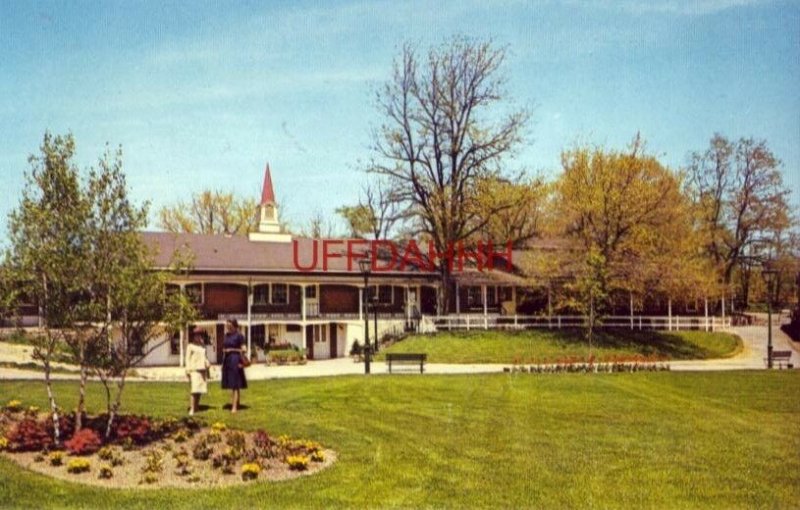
(751,358)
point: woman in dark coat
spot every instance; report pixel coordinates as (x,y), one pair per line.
(233,377)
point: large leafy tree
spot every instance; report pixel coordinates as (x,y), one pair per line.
(445,129)
(76,249)
(741,201)
(49,249)
(626,213)
(211,212)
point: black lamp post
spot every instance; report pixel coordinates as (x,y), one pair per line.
(365,265)
(375,315)
(769,276)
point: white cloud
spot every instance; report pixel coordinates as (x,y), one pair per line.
(677,7)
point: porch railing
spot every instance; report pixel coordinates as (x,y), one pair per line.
(635,322)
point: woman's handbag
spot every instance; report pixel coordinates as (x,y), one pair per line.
(244,361)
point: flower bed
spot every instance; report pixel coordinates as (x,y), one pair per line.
(145,452)
(607,364)
(287,356)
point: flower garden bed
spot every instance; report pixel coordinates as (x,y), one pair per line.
(143,452)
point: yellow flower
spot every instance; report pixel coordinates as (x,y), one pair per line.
(250,471)
(78,465)
(297,462)
(3,443)
(219,426)
(14,406)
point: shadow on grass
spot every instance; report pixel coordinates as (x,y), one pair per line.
(648,343)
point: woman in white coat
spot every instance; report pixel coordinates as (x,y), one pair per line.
(197,366)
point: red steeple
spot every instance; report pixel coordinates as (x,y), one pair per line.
(267,194)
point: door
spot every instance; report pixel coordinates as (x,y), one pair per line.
(334,347)
(310,342)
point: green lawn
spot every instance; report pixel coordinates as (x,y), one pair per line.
(665,440)
(542,346)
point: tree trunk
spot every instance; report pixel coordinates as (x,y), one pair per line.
(115,408)
(53,407)
(81,390)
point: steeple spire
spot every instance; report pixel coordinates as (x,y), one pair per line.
(267,193)
(269,228)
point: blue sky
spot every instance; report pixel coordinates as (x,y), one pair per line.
(202,94)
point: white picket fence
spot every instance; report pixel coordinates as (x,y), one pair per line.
(635,322)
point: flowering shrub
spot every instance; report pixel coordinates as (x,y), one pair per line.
(297,462)
(250,471)
(105,472)
(56,458)
(318,456)
(153,462)
(138,429)
(236,441)
(3,443)
(13,406)
(84,442)
(110,455)
(150,478)
(181,436)
(261,439)
(76,466)
(202,450)
(215,436)
(219,426)
(29,436)
(32,412)
(182,462)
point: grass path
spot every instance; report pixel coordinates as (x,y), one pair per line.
(724,440)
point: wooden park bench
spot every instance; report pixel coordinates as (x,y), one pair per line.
(781,358)
(406,358)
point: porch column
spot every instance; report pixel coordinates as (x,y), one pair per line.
(514,297)
(181,353)
(303,302)
(249,318)
(631,308)
(485,308)
(669,313)
(458,299)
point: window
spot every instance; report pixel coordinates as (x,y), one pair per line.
(491,296)
(474,297)
(320,333)
(280,294)
(260,294)
(385,294)
(135,346)
(195,293)
(175,344)
(311,292)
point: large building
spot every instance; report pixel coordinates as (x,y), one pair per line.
(310,292)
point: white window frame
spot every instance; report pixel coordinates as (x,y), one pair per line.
(272,294)
(264,286)
(202,292)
